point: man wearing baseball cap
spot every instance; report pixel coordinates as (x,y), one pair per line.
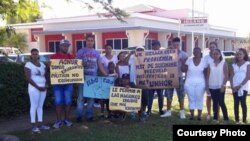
(63,92)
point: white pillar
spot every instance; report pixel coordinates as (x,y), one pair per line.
(136,37)
(98,40)
(200,40)
(68,36)
(163,38)
(229,46)
(189,44)
(211,39)
(40,39)
(221,44)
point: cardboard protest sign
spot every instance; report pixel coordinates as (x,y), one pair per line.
(157,69)
(98,87)
(66,71)
(125,99)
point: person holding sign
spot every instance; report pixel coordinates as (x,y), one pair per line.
(35,72)
(91,61)
(239,76)
(125,82)
(63,92)
(156,46)
(144,97)
(195,82)
(108,57)
(108,61)
(180,90)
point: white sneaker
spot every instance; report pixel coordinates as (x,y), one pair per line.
(168,113)
(208,117)
(182,114)
(97,105)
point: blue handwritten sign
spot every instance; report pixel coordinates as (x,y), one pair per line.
(97,87)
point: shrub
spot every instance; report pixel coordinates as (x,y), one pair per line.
(14,98)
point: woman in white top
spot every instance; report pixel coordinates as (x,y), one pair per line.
(108,57)
(208,58)
(106,60)
(217,75)
(240,75)
(35,75)
(195,82)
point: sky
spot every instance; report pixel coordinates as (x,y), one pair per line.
(227,13)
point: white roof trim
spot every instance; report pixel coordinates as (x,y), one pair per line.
(26,25)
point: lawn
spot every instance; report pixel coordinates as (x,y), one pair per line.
(154,129)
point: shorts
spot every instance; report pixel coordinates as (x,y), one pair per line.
(63,94)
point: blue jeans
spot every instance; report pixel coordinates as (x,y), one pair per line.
(63,94)
(151,98)
(80,104)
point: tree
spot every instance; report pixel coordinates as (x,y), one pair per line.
(8,37)
(26,11)
(7,7)
(105,5)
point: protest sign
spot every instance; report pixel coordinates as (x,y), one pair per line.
(66,71)
(97,87)
(125,99)
(157,69)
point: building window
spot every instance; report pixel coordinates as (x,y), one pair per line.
(148,44)
(54,46)
(80,44)
(118,43)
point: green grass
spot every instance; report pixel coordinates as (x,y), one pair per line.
(154,129)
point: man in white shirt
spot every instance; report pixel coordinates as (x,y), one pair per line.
(180,91)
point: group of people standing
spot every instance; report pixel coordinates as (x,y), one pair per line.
(209,73)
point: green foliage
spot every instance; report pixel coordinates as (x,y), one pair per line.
(9,38)
(17,40)
(26,11)
(105,5)
(229,61)
(7,7)
(14,98)
(19,11)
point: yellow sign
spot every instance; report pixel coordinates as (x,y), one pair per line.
(66,71)
(125,99)
(157,69)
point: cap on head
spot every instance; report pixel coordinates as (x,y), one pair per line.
(140,48)
(156,42)
(125,76)
(65,42)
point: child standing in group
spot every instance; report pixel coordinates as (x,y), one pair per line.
(111,73)
(124,82)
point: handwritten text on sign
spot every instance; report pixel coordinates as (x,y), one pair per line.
(157,69)
(97,87)
(125,99)
(66,71)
